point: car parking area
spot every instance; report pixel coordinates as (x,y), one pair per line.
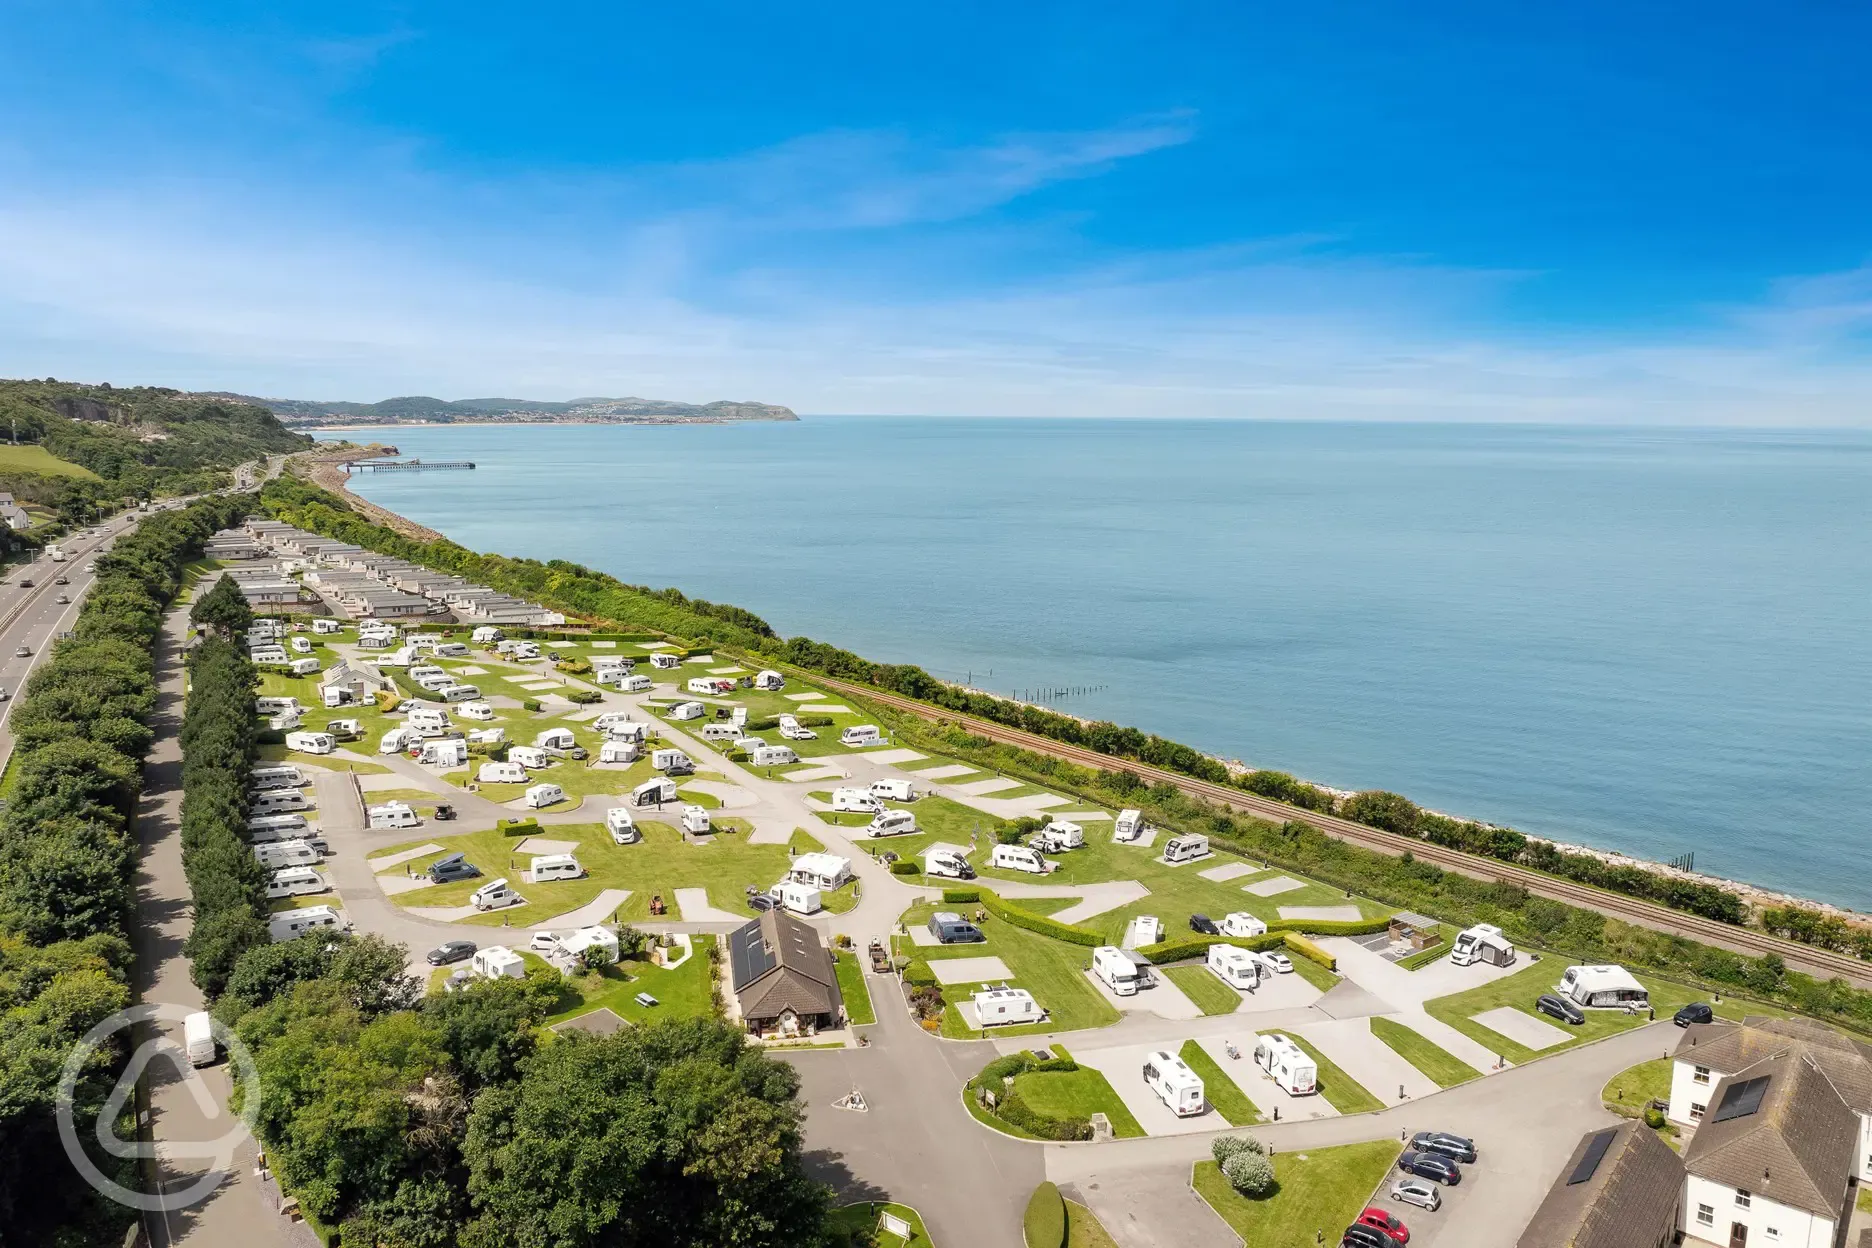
(1466,1219)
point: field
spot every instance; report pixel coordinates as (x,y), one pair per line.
(1076,1094)
(1519,990)
(681,993)
(1316,1194)
(32,457)
(1436,1063)
(852,987)
(1050,969)
(1210,994)
(1224,1096)
(939,818)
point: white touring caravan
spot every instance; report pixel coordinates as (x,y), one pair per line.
(198,1037)
(1176,1085)
(636,683)
(892,823)
(1059,836)
(495,895)
(555,739)
(996,1007)
(791,729)
(654,792)
(1143,929)
(797,897)
(265,829)
(665,662)
(1603,988)
(1287,1065)
(1482,943)
(821,870)
(460,693)
(858,801)
(1186,848)
(275,706)
(773,756)
(292,924)
(294,882)
(670,760)
(501,773)
(549,867)
(397,740)
(1117,968)
(311,742)
(277,802)
(859,735)
(487,635)
(621,826)
(1241,923)
(1017,858)
(281,777)
(448,752)
(476,710)
(427,719)
(542,795)
(303,667)
(1129,826)
(497,962)
(686,710)
(1235,967)
(695,820)
(278,855)
(615,751)
(393,815)
(529,756)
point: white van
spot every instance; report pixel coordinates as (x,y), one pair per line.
(277,802)
(541,795)
(475,710)
(860,735)
(671,760)
(1235,967)
(636,683)
(198,1038)
(557,867)
(772,756)
(654,792)
(292,924)
(494,895)
(1115,967)
(695,820)
(529,756)
(311,742)
(1287,1064)
(501,773)
(1017,858)
(1176,1085)
(1059,836)
(303,667)
(282,777)
(892,823)
(1186,848)
(893,790)
(857,801)
(460,693)
(282,854)
(393,815)
(268,828)
(621,826)
(294,882)
(1129,826)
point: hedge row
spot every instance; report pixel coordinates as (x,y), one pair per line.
(1330,927)
(1039,923)
(961,896)
(1299,944)
(805,721)
(1185,947)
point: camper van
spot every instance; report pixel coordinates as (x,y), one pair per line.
(397,740)
(1176,1085)
(501,773)
(1129,826)
(1059,836)
(618,752)
(654,792)
(948,864)
(475,710)
(1287,1065)
(494,895)
(529,756)
(542,795)
(996,1007)
(621,826)
(950,928)
(1482,943)
(277,802)
(892,823)
(1186,848)
(393,815)
(1235,967)
(335,696)
(672,761)
(268,828)
(857,801)
(1117,969)
(292,924)
(665,662)
(294,882)
(797,897)
(1017,858)
(460,693)
(557,867)
(686,710)
(198,1038)
(282,777)
(772,756)
(893,790)
(860,735)
(303,667)
(1241,923)
(638,683)
(282,854)
(695,820)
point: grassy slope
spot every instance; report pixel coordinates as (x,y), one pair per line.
(1316,1194)
(1631,1089)
(1342,1091)
(862,1218)
(1210,994)
(1436,1063)
(33,458)
(680,993)
(1224,1097)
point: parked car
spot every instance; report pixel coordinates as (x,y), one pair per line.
(454,867)
(757,902)
(1560,1008)
(1416,1192)
(1387,1222)
(1461,1148)
(1433,1166)
(1281,963)
(444,811)
(453,951)
(1358,1235)
(1695,1012)
(1204,924)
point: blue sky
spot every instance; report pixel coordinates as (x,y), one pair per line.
(1623,213)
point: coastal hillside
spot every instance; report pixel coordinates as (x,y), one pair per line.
(305,413)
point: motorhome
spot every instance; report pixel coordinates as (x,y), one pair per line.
(280,854)
(618,752)
(278,801)
(686,710)
(542,795)
(1241,923)
(275,706)
(494,895)
(1186,848)
(501,773)
(1287,1064)
(947,863)
(476,710)
(529,756)
(1176,1085)
(427,719)
(797,897)
(280,777)
(292,924)
(1018,858)
(791,729)
(859,735)
(1059,836)
(1482,943)
(665,662)
(394,815)
(950,928)
(461,693)
(635,683)
(997,1007)
(1143,929)
(1117,969)
(621,826)
(303,667)
(857,801)
(1603,988)
(893,790)
(821,870)
(497,962)
(265,829)
(1129,826)
(654,792)
(892,823)
(294,882)
(769,681)
(486,635)
(671,760)
(695,820)
(556,867)
(772,756)
(397,740)
(555,739)
(1235,967)
(198,1038)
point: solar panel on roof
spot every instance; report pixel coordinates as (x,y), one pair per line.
(1594,1154)
(1741,1099)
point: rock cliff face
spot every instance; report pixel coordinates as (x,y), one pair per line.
(303,413)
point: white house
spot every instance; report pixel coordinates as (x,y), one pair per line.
(498,962)
(1602,988)
(827,871)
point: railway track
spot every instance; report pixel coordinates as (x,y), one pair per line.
(1821,962)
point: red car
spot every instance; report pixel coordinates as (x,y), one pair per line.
(1386,1221)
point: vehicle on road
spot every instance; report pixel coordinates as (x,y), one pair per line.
(1204,924)
(444,811)
(451,951)
(62,599)
(61,580)
(1432,1166)
(23,652)
(1416,1192)
(1560,1008)
(4,695)
(198,1035)
(1387,1222)
(1695,1012)
(1458,1147)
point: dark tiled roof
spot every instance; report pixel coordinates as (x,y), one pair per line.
(776,963)
(1798,1148)
(1628,1201)
(1727,1048)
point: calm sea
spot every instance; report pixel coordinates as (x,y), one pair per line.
(1643,640)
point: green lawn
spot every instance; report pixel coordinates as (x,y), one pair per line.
(1317,1193)
(1050,969)
(852,987)
(1224,1096)
(1342,1091)
(657,865)
(940,820)
(31,457)
(1436,1063)
(680,993)
(1084,1230)
(855,1221)
(1629,1091)
(1076,1094)
(1519,991)
(1313,972)
(1210,994)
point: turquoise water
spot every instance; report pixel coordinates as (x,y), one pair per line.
(1649,641)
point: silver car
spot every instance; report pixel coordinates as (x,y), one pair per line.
(1417,1192)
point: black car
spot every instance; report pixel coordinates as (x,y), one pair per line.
(453,867)
(1459,1147)
(1695,1012)
(1433,1166)
(453,951)
(444,811)
(1560,1008)
(760,902)
(1204,924)
(1358,1235)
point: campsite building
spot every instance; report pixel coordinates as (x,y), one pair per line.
(782,976)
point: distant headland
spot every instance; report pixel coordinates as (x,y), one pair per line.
(421,409)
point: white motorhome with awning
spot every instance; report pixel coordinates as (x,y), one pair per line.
(1482,943)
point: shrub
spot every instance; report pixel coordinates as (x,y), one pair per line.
(1018,1113)
(904,866)
(1039,923)
(1224,1147)
(1654,1117)
(919,975)
(1249,1173)
(584,697)
(1001,1068)
(961,896)
(518,827)
(1330,927)
(1045,1222)
(1305,948)
(530,704)
(1198,946)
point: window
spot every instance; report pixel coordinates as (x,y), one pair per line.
(1699,1074)
(1742,1200)
(1706,1215)
(1772,1232)
(1696,1112)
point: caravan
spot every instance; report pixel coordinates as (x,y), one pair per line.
(325,626)
(861,735)
(303,667)
(821,870)
(791,729)
(617,752)
(996,1007)
(893,790)
(892,823)
(1241,923)
(292,924)
(277,802)
(501,773)
(448,752)
(460,693)
(1018,858)
(483,711)
(1117,968)
(282,777)
(529,756)
(1129,826)
(1176,1085)
(1235,967)
(1482,943)
(675,762)
(294,882)
(772,756)
(550,867)
(1603,988)
(797,897)
(265,829)
(397,740)
(637,683)
(335,696)
(428,720)
(710,686)
(311,742)
(543,795)
(1186,848)
(281,854)
(857,801)
(1059,836)
(654,793)
(555,739)
(769,681)
(686,710)
(695,820)
(1287,1064)
(486,635)
(394,815)
(665,662)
